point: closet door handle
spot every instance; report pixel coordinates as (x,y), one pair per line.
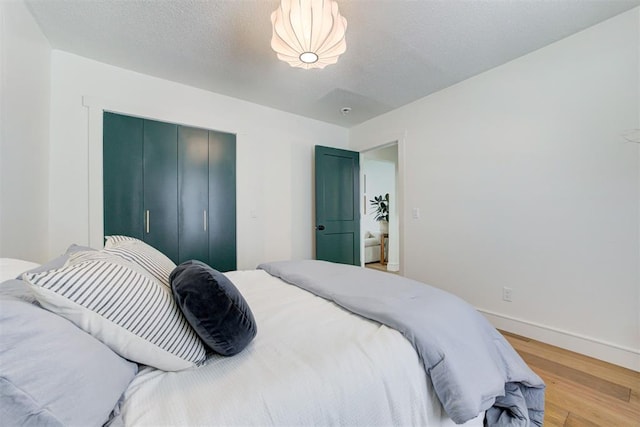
(204,218)
(147,220)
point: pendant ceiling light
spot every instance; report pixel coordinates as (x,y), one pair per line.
(308,33)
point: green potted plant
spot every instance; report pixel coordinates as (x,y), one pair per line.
(381,214)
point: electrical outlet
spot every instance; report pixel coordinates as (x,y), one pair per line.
(506,294)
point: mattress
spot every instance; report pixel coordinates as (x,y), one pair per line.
(311,363)
(11,268)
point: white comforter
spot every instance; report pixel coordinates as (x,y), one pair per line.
(312,363)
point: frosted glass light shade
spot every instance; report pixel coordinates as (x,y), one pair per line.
(308,33)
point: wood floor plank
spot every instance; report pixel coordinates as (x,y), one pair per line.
(552,423)
(574,420)
(514,336)
(582,391)
(615,374)
(554,415)
(577,376)
(596,407)
(634,399)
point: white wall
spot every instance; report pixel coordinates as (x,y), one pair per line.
(523,181)
(24,134)
(274,154)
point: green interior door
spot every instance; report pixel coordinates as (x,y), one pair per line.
(193,194)
(161,187)
(337,182)
(122,175)
(222,201)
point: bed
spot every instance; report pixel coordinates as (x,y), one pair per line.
(313,360)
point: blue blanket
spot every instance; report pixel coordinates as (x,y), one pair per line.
(472,367)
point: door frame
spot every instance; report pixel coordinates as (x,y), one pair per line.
(378,142)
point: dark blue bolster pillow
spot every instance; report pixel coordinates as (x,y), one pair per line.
(213,306)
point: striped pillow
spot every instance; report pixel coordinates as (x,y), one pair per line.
(84,256)
(129,312)
(142,254)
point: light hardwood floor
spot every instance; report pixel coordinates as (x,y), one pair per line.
(378,266)
(581,391)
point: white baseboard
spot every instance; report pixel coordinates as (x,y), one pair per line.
(609,352)
(393,266)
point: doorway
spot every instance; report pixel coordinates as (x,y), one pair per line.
(380,246)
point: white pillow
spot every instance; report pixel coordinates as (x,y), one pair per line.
(142,254)
(129,312)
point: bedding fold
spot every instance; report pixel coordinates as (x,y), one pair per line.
(472,367)
(312,363)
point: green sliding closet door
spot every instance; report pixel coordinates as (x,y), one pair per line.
(193,193)
(172,186)
(122,175)
(222,200)
(161,187)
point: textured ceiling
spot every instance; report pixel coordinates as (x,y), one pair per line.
(397,51)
